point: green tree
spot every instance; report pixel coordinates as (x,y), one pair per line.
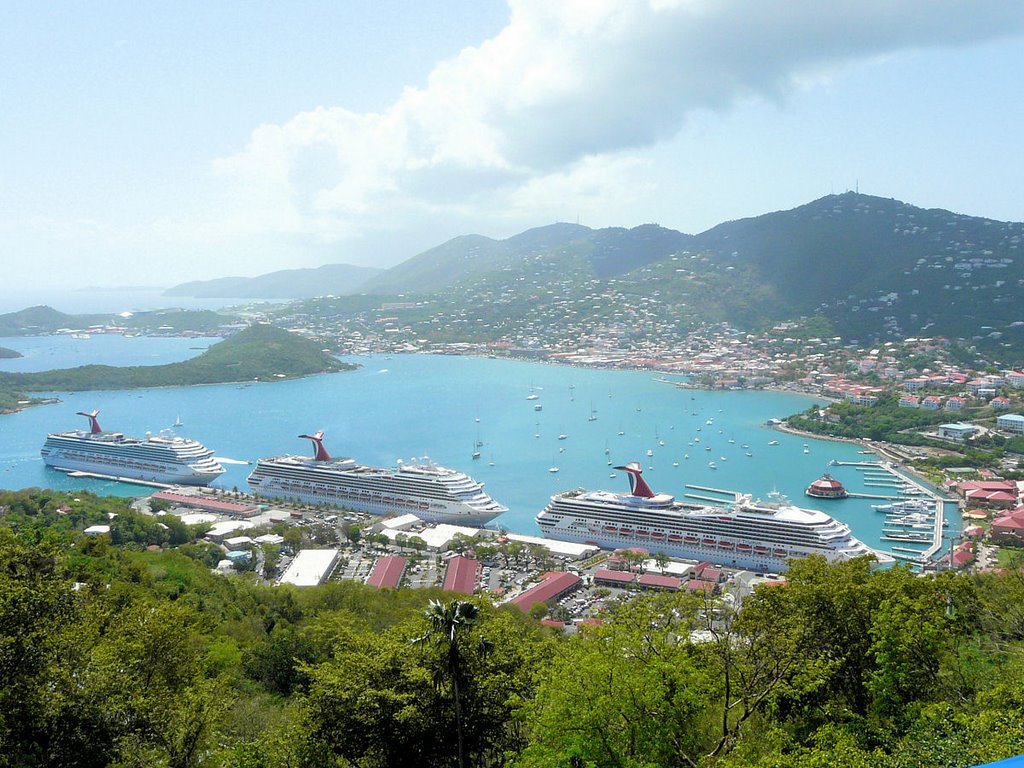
(630,693)
(447,626)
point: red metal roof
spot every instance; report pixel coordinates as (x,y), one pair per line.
(387,572)
(554,585)
(203,502)
(697,585)
(606,574)
(658,582)
(461,575)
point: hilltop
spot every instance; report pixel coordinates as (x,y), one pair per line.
(257,352)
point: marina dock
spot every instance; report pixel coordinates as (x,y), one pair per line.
(722,491)
(884,474)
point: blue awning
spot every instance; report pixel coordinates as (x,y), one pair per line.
(1010,762)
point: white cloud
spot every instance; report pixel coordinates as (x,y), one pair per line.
(546,117)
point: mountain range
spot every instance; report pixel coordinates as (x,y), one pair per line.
(874,267)
(335,279)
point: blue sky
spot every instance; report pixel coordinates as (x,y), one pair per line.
(151,143)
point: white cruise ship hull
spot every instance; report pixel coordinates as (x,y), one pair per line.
(171,476)
(335,493)
(760,563)
(156,461)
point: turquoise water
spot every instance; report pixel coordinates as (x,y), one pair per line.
(42,353)
(404,406)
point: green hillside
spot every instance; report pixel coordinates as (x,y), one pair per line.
(258,352)
(881,268)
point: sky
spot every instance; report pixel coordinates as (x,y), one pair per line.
(145,144)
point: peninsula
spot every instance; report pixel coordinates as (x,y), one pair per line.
(6,353)
(259,352)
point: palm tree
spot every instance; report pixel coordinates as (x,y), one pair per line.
(447,623)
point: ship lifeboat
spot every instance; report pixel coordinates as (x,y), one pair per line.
(645,534)
(726,545)
(779,553)
(610,529)
(708,542)
(657,535)
(761,550)
(691,539)
(626,531)
(744,547)
(675,537)
(826,487)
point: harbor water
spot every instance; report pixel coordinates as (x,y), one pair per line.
(414,406)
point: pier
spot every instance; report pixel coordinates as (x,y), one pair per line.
(940,521)
(855,495)
(98,476)
(722,491)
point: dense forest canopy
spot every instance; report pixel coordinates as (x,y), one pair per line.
(127,650)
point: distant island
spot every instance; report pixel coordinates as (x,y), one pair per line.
(7,354)
(259,352)
(331,279)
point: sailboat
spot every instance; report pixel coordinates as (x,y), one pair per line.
(593,413)
(178,422)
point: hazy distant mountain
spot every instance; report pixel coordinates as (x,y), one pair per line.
(43,319)
(469,256)
(331,279)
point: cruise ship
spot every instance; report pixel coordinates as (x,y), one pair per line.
(432,493)
(158,459)
(755,535)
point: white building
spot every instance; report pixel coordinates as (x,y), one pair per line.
(310,567)
(1011,422)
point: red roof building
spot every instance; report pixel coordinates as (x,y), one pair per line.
(699,585)
(554,585)
(655,581)
(203,502)
(387,572)
(461,575)
(610,578)
(1009,529)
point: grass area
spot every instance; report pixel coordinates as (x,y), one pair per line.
(1010,557)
